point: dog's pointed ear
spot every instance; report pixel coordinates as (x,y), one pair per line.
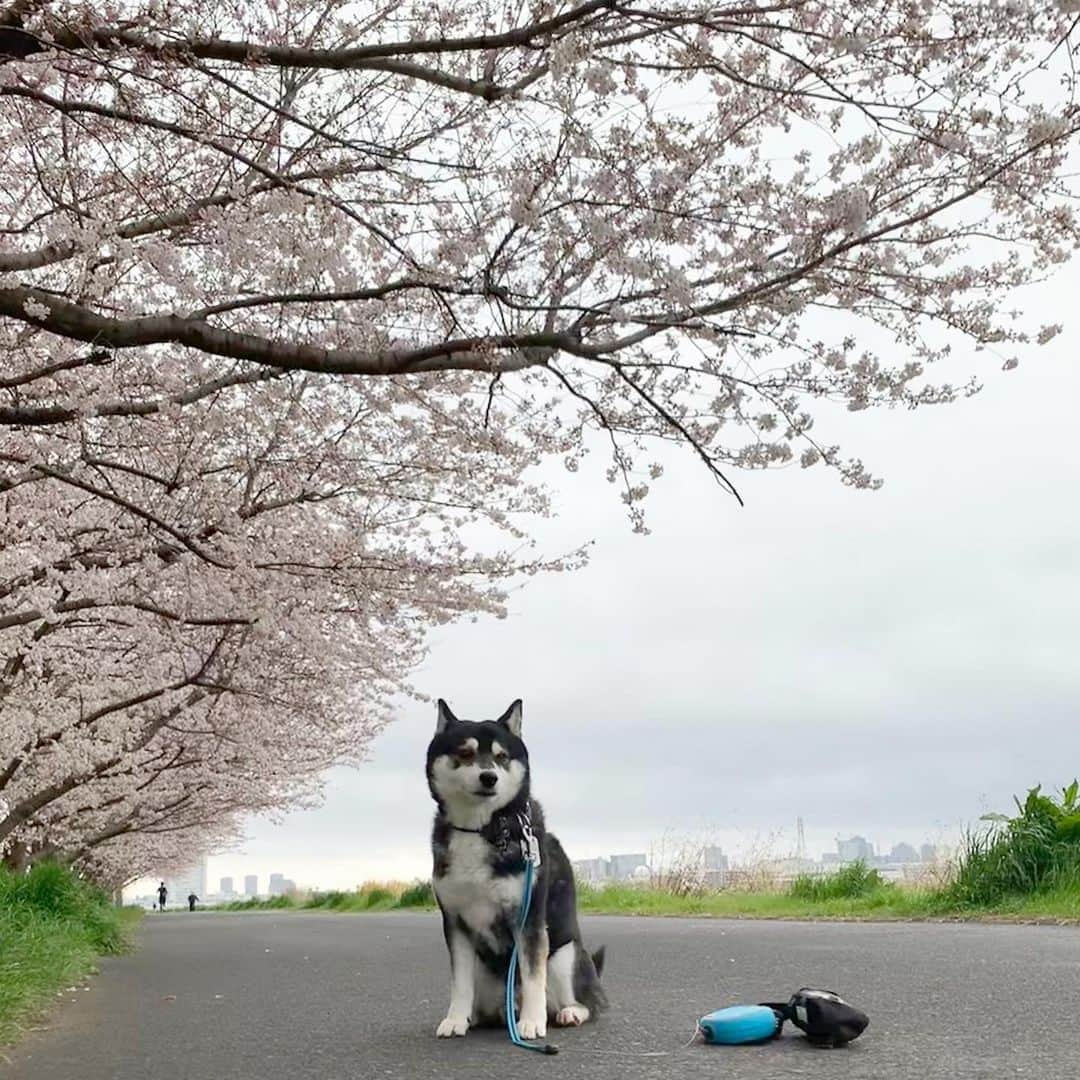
(443,717)
(511,719)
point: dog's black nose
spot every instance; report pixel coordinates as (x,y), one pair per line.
(489,779)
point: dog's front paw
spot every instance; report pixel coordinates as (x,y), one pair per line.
(572,1016)
(451,1026)
(532,1029)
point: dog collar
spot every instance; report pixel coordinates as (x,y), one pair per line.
(458,828)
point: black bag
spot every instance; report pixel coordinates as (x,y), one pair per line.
(824,1017)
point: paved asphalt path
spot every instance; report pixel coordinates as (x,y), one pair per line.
(294,996)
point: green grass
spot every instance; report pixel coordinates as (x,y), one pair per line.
(856,881)
(832,900)
(274,903)
(52,928)
(1032,854)
(389,896)
(883,901)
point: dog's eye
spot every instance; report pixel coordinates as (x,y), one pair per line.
(465,756)
(502,759)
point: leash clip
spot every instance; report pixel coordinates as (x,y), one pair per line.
(530,846)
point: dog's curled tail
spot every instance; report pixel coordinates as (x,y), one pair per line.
(587,986)
(598,959)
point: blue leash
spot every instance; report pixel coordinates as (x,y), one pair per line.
(532,860)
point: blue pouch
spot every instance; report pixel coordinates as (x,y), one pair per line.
(740,1024)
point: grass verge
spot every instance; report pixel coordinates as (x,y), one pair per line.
(882,901)
(374,896)
(1023,868)
(888,902)
(852,893)
(52,928)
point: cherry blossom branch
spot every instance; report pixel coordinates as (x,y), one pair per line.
(70,320)
(22,811)
(43,415)
(246,52)
(169,221)
(63,607)
(66,477)
(149,729)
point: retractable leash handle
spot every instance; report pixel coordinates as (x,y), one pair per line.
(530,848)
(822,1016)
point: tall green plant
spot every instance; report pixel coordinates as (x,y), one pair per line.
(851,881)
(1036,849)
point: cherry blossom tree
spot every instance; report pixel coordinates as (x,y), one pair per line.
(293,294)
(214,609)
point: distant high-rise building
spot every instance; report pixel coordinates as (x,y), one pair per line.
(858,847)
(623,866)
(598,869)
(226,886)
(714,866)
(277,885)
(251,885)
(903,853)
(715,859)
(928,853)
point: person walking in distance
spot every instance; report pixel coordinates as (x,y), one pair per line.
(191,901)
(162,895)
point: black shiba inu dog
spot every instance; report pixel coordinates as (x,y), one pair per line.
(478,774)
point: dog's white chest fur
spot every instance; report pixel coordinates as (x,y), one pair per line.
(470,890)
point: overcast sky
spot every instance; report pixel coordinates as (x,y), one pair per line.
(890,663)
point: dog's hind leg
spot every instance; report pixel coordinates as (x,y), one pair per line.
(562,1006)
(489,1009)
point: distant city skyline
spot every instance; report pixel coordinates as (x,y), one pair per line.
(196,879)
(715,867)
(776,846)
